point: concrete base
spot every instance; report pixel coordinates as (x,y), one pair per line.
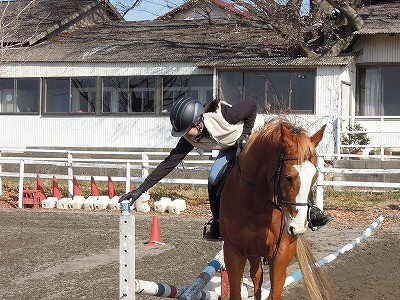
(177,206)
(63,203)
(89,202)
(49,202)
(162,204)
(113,204)
(76,202)
(102,203)
(142,203)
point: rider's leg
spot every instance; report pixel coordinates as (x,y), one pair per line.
(212,232)
(316,216)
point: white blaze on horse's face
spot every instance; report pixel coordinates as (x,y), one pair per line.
(298,225)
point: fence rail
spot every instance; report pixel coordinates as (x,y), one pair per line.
(144,164)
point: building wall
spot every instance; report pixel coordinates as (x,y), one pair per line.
(20,131)
(376,48)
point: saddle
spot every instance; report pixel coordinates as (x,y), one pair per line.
(222,176)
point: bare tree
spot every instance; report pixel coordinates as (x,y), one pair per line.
(326,29)
(11,15)
(314,27)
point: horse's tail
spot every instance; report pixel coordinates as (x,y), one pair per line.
(315,278)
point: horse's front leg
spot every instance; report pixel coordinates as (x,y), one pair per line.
(234,264)
(256,274)
(278,268)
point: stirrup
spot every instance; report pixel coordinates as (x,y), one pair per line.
(211,231)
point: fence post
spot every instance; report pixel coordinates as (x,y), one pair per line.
(145,165)
(21,183)
(1,182)
(319,190)
(126,252)
(128,178)
(70,174)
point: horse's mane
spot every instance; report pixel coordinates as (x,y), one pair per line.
(270,134)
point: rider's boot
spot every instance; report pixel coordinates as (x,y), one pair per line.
(211,228)
(317,217)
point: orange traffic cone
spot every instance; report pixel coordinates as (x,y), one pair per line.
(39,185)
(154,233)
(94,191)
(111,189)
(56,190)
(77,190)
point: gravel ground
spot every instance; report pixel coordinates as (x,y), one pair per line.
(50,254)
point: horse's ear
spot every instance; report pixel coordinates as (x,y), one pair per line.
(317,137)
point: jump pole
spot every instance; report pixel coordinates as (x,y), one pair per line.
(126,252)
(195,288)
(169,291)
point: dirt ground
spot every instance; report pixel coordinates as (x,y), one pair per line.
(50,254)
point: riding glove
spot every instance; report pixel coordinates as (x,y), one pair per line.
(242,140)
(134,195)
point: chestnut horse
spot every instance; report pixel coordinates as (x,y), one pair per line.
(264,207)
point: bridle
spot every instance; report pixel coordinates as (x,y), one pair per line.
(277,191)
(277,195)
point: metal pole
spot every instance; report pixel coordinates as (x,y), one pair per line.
(1,183)
(70,174)
(128,178)
(21,183)
(319,190)
(126,252)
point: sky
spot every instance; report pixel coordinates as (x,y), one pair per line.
(150,9)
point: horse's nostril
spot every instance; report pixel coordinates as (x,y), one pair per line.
(291,230)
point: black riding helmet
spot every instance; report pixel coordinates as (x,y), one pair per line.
(184,114)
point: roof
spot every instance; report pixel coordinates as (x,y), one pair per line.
(221,43)
(158,41)
(226,5)
(380,17)
(29,21)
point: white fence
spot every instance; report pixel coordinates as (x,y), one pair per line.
(18,157)
(382,131)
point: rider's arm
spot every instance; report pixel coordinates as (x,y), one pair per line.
(245,111)
(168,164)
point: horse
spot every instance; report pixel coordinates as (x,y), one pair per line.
(264,210)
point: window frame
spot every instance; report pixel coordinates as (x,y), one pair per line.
(16,92)
(265,107)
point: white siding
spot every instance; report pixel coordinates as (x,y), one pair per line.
(378,48)
(35,131)
(63,69)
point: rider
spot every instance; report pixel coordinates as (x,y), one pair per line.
(218,126)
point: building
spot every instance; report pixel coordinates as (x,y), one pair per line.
(88,79)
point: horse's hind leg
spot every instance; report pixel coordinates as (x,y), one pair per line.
(234,264)
(256,274)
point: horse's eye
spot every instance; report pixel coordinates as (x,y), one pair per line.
(289,178)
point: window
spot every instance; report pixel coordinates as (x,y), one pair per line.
(275,91)
(378,90)
(115,94)
(83,95)
(199,87)
(19,95)
(57,95)
(129,94)
(142,94)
